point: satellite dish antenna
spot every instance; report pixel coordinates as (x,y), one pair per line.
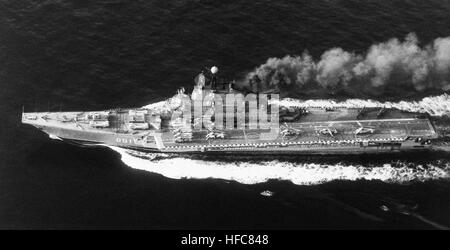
(214,69)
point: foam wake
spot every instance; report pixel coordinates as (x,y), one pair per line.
(298,173)
(433,105)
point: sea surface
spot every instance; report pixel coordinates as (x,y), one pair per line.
(91,55)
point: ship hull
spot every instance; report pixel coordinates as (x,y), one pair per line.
(380,143)
(294,151)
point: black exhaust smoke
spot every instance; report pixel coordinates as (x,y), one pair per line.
(387,69)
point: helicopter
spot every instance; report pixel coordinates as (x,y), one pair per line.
(288,131)
(364,130)
(327,130)
(215,134)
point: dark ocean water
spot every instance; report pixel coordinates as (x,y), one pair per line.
(90,55)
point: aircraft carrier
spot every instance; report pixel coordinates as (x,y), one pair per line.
(300,130)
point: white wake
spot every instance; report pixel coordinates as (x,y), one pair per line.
(297,173)
(433,105)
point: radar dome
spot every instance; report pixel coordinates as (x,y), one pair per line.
(214,69)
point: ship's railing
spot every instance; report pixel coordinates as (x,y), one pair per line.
(387,141)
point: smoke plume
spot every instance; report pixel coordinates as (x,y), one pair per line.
(389,68)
